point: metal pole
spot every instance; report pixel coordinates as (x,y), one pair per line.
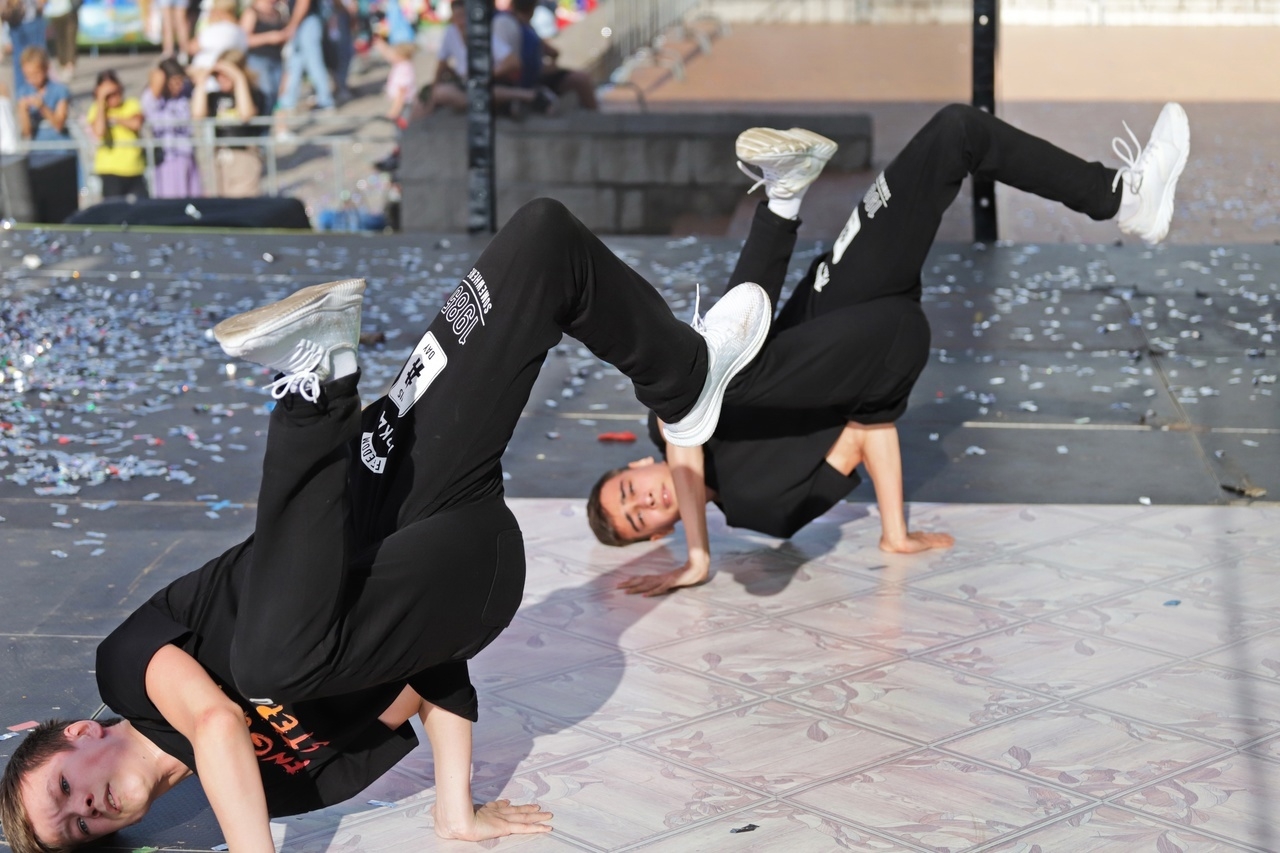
(985,25)
(482,210)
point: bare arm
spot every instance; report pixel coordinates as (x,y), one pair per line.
(688,475)
(24,118)
(199,94)
(194,705)
(300,10)
(880,453)
(98,125)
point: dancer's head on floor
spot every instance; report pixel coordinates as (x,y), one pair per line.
(633,503)
(70,782)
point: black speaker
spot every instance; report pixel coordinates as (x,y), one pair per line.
(262,212)
(15,189)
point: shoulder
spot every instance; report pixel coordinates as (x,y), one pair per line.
(131,106)
(123,658)
(57,92)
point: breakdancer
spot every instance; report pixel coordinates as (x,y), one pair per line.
(284,671)
(847,348)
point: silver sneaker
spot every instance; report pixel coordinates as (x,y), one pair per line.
(299,335)
(1152,173)
(734,329)
(788,160)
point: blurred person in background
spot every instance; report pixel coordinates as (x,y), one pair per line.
(42,105)
(26,24)
(220,33)
(340,25)
(175,32)
(64,23)
(306,56)
(535,59)
(166,105)
(115,122)
(265,24)
(234,101)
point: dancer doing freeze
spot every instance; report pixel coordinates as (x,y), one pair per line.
(284,671)
(847,348)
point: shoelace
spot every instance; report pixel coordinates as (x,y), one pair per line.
(299,369)
(698,326)
(1126,153)
(306,383)
(766,176)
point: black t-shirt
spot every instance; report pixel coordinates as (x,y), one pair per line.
(769,467)
(222,105)
(310,754)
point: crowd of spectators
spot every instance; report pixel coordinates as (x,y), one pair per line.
(239,65)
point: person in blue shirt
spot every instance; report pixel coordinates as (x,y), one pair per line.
(43,105)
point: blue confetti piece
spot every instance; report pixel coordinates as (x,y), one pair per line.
(1173,602)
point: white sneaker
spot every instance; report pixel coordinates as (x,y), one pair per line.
(788,160)
(298,336)
(1152,175)
(734,329)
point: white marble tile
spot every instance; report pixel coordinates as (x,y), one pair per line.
(844,699)
(1049,659)
(901,619)
(939,802)
(1222,705)
(770,656)
(773,746)
(1150,618)
(1111,830)
(621,797)
(621,698)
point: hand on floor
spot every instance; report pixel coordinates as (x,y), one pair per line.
(498,819)
(917,541)
(690,574)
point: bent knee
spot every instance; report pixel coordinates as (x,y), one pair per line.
(955,116)
(541,214)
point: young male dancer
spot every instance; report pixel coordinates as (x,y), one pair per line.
(284,671)
(847,348)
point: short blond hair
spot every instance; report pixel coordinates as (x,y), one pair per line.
(229,6)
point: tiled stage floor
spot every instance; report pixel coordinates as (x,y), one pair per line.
(1068,678)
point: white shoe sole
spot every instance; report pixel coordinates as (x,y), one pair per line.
(764,144)
(716,399)
(252,329)
(1165,211)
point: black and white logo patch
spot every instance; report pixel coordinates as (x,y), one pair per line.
(421,369)
(850,230)
(468,305)
(376,446)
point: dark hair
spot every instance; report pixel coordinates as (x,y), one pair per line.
(104,76)
(171,68)
(41,743)
(524,7)
(600,524)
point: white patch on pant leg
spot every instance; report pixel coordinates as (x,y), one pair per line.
(426,363)
(824,275)
(877,196)
(850,230)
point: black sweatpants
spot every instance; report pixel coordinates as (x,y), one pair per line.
(853,334)
(383,550)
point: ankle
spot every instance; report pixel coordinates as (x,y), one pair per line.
(1130,203)
(787,208)
(344,363)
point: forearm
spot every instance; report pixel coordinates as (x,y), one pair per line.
(450,737)
(688,475)
(229,774)
(99,123)
(882,457)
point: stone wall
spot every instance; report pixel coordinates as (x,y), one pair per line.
(619,173)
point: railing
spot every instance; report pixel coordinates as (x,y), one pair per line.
(204,140)
(647,32)
(1037,12)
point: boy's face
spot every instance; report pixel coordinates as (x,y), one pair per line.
(640,502)
(35,72)
(85,792)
